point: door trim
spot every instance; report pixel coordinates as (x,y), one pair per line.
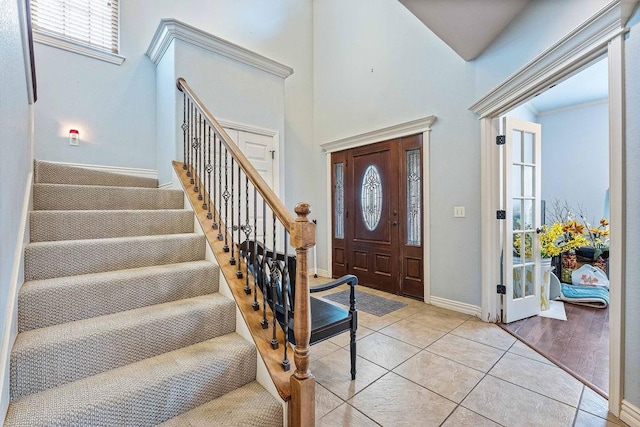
(412,127)
(601,34)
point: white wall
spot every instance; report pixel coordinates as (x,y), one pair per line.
(167,116)
(632,274)
(115,106)
(376,65)
(575,157)
(15,168)
(234,91)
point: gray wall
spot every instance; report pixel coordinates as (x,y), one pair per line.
(575,157)
(15,165)
(632,274)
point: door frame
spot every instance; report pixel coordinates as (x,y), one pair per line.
(602,34)
(413,127)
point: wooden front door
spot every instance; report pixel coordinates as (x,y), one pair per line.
(377,215)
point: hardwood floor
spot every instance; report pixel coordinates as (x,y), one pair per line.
(580,345)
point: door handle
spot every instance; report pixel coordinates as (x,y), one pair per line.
(538,230)
(395,212)
(394,223)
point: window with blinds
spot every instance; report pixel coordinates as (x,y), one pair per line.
(89,22)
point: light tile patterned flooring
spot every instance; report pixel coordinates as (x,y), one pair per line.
(426,366)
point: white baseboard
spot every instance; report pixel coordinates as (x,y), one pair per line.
(460,307)
(166,185)
(143,173)
(10,322)
(630,414)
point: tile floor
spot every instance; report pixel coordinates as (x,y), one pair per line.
(426,366)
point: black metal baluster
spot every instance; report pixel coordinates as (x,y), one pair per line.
(212,198)
(196,149)
(184,130)
(247,231)
(200,153)
(264,323)
(191,129)
(274,287)
(239,270)
(226,196)
(219,188)
(286,365)
(207,188)
(232,259)
(255,304)
(189,136)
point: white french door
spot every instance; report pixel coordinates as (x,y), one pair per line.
(521,201)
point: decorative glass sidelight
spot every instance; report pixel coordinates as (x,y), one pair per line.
(338,202)
(414,198)
(371,197)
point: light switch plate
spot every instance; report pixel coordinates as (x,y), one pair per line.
(459,212)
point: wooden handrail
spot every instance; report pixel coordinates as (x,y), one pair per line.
(268,195)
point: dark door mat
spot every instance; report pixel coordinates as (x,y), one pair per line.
(373,304)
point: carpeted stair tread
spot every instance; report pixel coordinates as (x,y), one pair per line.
(144,393)
(95,197)
(48,357)
(48,302)
(48,226)
(45,260)
(248,406)
(56,173)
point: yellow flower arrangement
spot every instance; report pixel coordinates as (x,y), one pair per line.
(599,236)
(560,238)
(555,239)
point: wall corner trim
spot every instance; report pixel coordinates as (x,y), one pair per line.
(630,414)
(587,42)
(170,29)
(396,131)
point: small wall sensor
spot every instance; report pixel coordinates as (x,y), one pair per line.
(74,137)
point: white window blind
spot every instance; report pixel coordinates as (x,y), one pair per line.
(90,22)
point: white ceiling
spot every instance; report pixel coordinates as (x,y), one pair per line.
(467,26)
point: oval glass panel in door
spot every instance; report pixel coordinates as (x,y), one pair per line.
(371,197)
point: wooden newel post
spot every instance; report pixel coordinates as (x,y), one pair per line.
(303,384)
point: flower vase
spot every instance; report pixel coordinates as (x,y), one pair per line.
(545,268)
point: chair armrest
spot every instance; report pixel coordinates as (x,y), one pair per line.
(348,279)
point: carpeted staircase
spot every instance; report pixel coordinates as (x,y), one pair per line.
(120,320)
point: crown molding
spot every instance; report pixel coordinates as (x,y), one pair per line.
(588,42)
(384,134)
(171,29)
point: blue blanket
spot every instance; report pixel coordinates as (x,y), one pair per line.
(592,296)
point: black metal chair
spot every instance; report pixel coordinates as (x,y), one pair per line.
(276,280)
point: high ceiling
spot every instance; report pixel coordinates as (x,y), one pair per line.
(590,84)
(467,26)
(470,26)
